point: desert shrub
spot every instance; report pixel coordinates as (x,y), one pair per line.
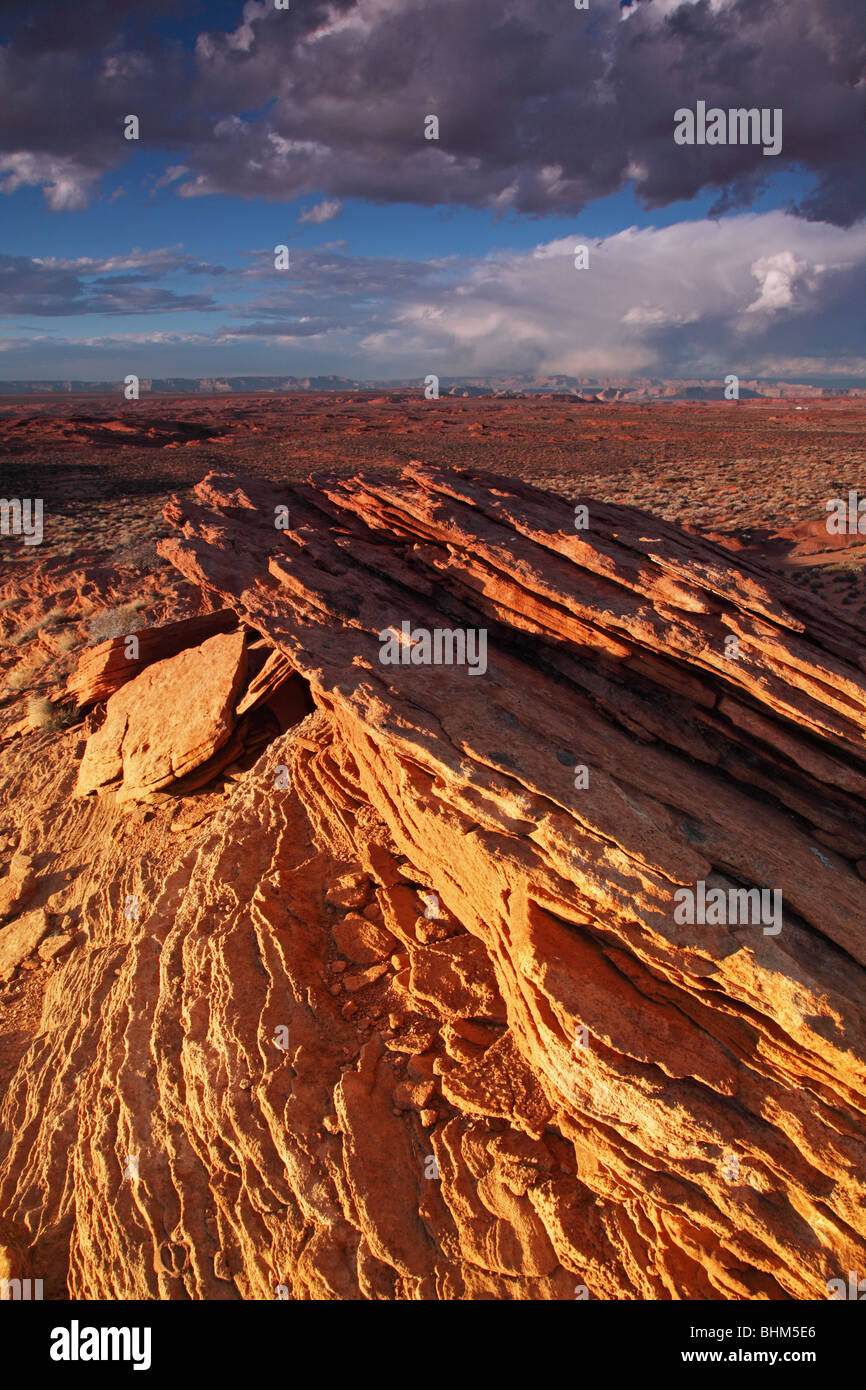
(142,556)
(116,622)
(20,676)
(41,714)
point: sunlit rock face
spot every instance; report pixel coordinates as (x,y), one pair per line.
(532,973)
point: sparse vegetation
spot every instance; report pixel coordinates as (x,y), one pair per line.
(117,622)
(41,714)
(21,676)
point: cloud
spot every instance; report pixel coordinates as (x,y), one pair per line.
(325,211)
(748,295)
(542,108)
(55,288)
(158,260)
(67,184)
(687,300)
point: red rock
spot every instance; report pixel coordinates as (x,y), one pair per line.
(350,891)
(19,939)
(168,721)
(18,886)
(54,946)
(361,941)
(105,668)
(360,979)
(618,1099)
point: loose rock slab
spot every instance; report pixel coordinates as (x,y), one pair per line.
(168,721)
(19,939)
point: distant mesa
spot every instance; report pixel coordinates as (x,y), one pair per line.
(596,389)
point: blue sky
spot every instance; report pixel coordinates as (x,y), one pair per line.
(455,257)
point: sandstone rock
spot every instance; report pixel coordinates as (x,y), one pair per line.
(362,941)
(457,978)
(168,721)
(652,1108)
(19,939)
(350,891)
(105,668)
(54,946)
(276,672)
(360,979)
(18,885)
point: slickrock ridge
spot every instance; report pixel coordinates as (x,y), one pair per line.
(408,1013)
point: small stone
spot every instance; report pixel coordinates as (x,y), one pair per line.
(400,960)
(19,939)
(427,931)
(362,941)
(422,1065)
(338,966)
(428,1118)
(54,946)
(352,891)
(349,1009)
(336,988)
(362,978)
(394,1020)
(18,885)
(331,1124)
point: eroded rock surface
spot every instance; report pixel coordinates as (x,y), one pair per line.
(524,1077)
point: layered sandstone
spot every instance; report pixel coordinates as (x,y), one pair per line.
(406,1012)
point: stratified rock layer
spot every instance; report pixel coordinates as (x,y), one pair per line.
(526,1078)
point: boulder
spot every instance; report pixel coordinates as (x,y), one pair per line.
(168,721)
(19,939)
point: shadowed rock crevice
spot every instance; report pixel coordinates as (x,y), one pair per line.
(408,1010)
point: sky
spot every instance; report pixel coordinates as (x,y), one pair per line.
(306,127)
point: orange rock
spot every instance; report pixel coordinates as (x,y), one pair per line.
(105,668)
(362,941)
(17,887)
(169,720)
(19,939)
(598,1093)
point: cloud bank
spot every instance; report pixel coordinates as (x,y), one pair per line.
(758,294)
(542,108)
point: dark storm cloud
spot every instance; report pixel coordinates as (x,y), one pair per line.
(42,289)
(360,292)
(541,107)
